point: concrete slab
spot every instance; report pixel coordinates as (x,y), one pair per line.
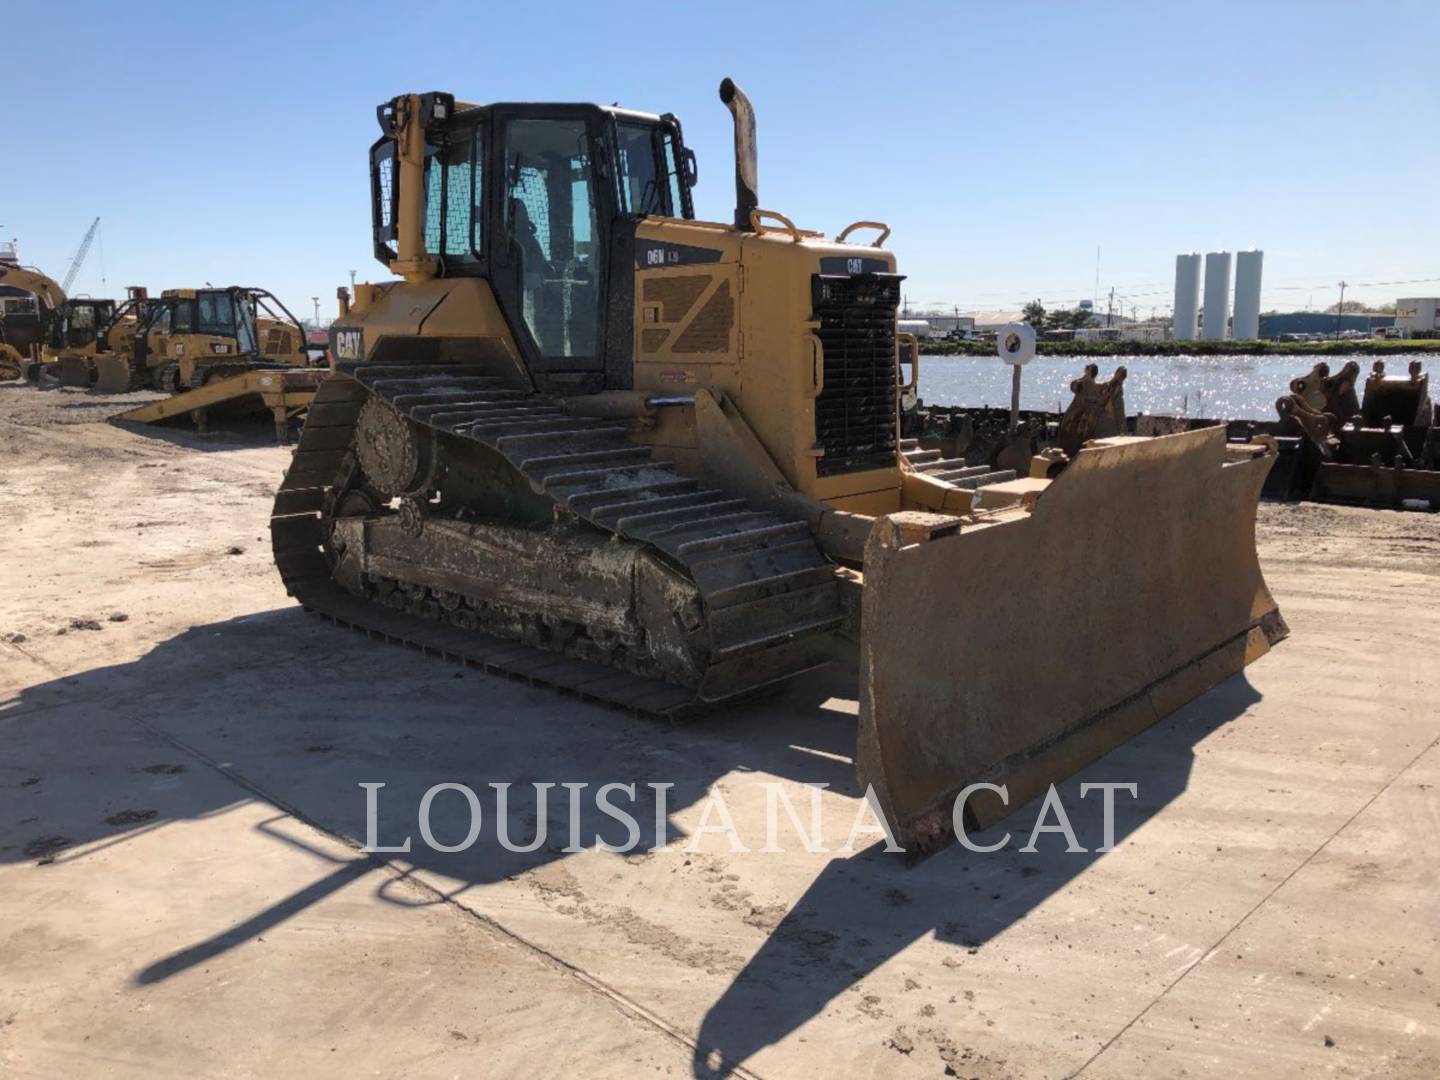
(1274,832)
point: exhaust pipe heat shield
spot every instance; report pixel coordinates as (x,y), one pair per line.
(1020,647)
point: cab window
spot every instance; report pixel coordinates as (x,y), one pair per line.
(453,187)
(673,166)
(641,191)
(245,325)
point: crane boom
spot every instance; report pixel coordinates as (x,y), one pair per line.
(76,262)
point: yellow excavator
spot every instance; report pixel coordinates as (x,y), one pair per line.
(26,323)
(585,439)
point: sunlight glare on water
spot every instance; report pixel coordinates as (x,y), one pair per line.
(1214,387)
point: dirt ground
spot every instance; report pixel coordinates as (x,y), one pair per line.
(183,890)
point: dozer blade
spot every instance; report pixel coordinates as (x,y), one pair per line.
(1017,647)
(75,371)
(113,374)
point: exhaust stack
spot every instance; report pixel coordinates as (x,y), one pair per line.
(746,166)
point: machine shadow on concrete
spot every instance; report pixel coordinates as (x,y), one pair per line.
(298,714)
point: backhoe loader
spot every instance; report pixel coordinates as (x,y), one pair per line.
(585,439)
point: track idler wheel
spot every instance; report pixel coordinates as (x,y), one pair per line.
(395,454)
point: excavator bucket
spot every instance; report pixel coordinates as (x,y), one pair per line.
(1015,646)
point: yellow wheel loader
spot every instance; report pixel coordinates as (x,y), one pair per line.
(590,441)
(187,338)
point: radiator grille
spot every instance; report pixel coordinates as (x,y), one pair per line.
(855,420)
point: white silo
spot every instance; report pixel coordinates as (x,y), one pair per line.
(1246,321)
(1187,295)
(1217,295)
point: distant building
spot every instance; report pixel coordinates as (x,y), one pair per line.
(1417,314)
(943,325)
(1278,324)
(982,321)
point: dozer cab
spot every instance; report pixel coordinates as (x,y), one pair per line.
(186,338)
(80,322)
(586,439)
(84,327)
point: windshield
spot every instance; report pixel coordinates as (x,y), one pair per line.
(216,313)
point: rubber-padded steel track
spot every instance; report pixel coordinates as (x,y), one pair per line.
(769,593)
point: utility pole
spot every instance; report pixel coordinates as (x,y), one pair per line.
(1340,312)
(352,282)
(1095,296)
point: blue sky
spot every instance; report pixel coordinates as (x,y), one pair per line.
(1002,142)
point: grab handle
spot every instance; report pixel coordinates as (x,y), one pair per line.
(914,343)
(884,231)
(757,214)
(817,361)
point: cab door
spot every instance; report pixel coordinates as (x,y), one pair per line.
(549,248)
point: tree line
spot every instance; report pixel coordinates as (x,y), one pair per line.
(1035,314)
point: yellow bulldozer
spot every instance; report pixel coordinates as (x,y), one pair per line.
(186,338)
(588,440)
(182,339)
(79,336)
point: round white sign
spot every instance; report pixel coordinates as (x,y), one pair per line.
(1016,343)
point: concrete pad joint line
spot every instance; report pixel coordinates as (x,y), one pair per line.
(1257,906)
(487,922)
